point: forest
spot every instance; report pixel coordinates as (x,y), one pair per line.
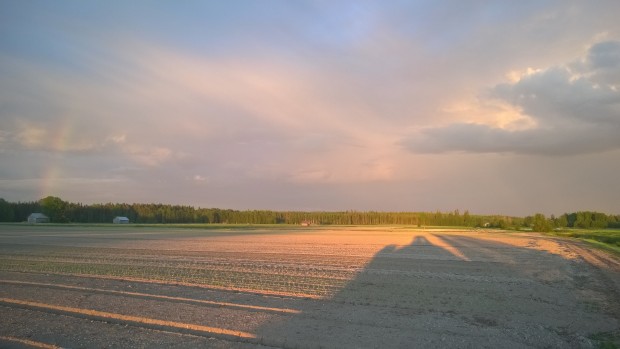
(61,211)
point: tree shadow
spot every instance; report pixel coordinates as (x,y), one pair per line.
(450,290)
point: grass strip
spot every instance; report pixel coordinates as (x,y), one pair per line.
(607,240)
(607,340)
(601,245)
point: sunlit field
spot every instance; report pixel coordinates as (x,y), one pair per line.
(302,287)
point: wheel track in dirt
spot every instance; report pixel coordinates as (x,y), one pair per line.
(27,342)
(141,295)
(315,316)
(603,264)
(142,322)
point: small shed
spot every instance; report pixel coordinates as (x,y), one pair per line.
(120,220)
(38,218)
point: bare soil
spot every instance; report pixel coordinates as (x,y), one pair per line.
(388,287)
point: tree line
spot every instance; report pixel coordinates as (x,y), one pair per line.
(60,211)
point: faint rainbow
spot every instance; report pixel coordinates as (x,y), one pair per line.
(53,172)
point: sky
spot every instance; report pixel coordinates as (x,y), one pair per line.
(496,107)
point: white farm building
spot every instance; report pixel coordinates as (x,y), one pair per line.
(38,218)
(120,220)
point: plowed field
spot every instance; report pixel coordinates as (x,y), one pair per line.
(389,287)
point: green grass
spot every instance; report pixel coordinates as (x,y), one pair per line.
(607,239)
(607,340)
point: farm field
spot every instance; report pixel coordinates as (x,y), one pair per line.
(323,287)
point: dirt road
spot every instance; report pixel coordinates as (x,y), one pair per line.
(314,288)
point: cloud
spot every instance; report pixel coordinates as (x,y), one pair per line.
(199,178)
(231,120)
(31,136)
(150,156)
(303,104)
(604,63)
(573,108)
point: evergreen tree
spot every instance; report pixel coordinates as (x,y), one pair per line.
(6,211)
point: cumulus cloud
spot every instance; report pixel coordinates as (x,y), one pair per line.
(574,109)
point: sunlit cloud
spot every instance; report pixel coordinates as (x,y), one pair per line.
(515,76)
(556,113)
(493,113)
(199,178)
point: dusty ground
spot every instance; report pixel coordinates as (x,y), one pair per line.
(316,288)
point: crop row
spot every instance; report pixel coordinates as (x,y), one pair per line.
(259,280)
(319,259)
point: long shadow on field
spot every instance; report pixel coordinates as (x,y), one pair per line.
(449,291)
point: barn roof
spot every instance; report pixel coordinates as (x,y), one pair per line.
(38,215)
